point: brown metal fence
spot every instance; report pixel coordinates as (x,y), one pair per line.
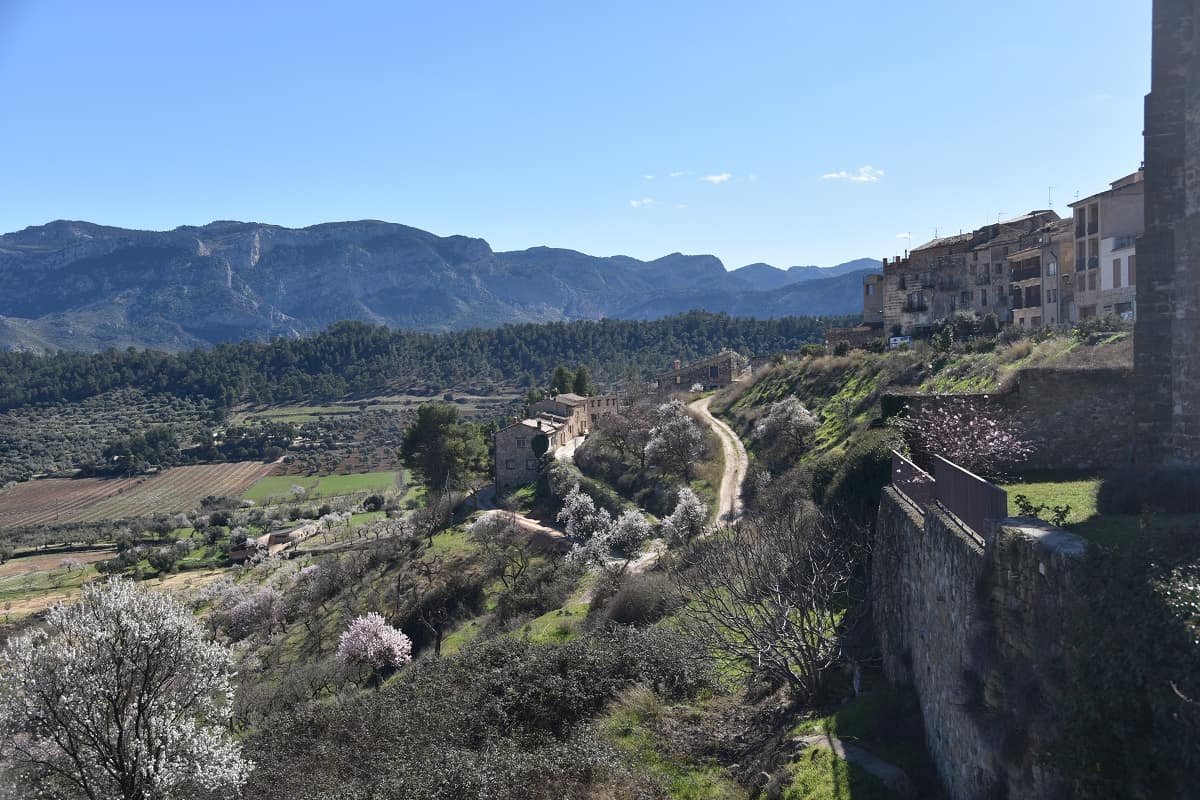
(913,482)
(967,496)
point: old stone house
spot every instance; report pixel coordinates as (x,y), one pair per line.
(714,372)
(968,272)
(555,421)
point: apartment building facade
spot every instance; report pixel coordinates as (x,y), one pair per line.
(1106,227)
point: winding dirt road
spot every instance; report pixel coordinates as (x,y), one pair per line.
(729,506)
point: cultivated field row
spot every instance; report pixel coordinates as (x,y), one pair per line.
(75,500)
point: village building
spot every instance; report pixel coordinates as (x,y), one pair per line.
(871,325)
(554,422)
(1106,229)
(1035,279)
(714,372)
(968,273)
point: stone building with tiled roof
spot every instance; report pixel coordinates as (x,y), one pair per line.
(554,423)
(710,373)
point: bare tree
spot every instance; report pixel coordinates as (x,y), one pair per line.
(506,548)
(771,594)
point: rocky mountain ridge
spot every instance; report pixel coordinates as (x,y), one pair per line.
(81,286)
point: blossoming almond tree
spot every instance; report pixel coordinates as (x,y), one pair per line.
(958,430)
(118,696)
(372,643)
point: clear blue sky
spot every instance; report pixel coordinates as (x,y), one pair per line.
(583,125)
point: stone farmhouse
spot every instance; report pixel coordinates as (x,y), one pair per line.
(554,423)
(714,372)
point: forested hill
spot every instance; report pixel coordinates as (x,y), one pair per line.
(80,286)
(355,358)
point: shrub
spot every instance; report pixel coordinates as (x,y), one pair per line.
(852,484)
(1132,717)
(642,600)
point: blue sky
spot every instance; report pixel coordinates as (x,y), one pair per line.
(640,128)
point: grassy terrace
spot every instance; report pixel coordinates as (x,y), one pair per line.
(317,487)
(1085,520)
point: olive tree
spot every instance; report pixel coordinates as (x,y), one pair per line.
(119,695)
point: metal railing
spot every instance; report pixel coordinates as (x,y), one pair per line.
(911,481)
(968,497)
(971,500)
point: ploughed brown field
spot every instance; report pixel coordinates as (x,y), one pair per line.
(72,500)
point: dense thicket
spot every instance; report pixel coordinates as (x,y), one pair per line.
(502,718)
(353,357)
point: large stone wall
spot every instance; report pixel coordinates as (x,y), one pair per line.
(1167,345)
(1075,419)
(977,627)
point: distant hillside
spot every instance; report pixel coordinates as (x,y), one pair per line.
(87,287)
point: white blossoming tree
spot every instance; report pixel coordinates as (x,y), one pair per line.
(119,695)
(582,519)
(687,521)
(784,432)
(629,531)
(370,642)
(675,441)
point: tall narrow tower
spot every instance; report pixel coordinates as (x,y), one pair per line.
(1167,338)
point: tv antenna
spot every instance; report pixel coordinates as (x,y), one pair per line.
(1050,197)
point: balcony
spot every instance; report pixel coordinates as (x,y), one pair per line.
(983,280)
(1080,264)
(915,306)
(1025,273)
(1093,227)
(1093,262)
(1124,242)
(1080,231)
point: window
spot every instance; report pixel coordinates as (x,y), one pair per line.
(1116,273)
(1132,270)
(870,289)
(677,380)
(983,297)
(1035,322)
(1052,269)
(530,463)
(999,268)
(510,463)
(1092,281)
(521,441)
(714,372)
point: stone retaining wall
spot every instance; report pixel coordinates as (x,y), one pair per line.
(979,632)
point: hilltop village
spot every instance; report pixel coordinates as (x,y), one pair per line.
(1032,271)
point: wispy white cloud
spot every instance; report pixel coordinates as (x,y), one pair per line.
(645,201)
(865,174)
(679,173)
(718,178)
(648,177)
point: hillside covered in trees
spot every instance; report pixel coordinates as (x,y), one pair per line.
(352,358)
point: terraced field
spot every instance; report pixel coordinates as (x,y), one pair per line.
(74,500)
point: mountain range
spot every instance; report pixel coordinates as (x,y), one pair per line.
(81,286)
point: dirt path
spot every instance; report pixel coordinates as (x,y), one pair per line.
(892,776)
(736,462)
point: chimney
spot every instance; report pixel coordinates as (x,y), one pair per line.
(678,364)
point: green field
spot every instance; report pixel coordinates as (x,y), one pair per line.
(280,486)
